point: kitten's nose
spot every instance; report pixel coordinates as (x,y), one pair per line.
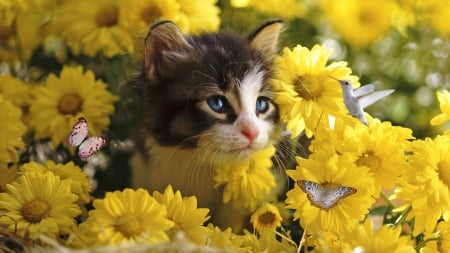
(250,132)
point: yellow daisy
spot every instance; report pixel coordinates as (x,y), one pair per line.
(184,213)
(444,103)
(266,217)
(443,229)
(138,16)
(9,174)
(380,147)
(91,28)
(11,131)
(424,185)
(360,23)
(363,238)
(304,91)
(69,173)
(37,204)
(202,16)
(15,90)
(315,197)
(288,10)
(124,216)
(248,183)
(59,104)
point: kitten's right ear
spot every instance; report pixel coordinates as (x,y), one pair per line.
(265,38)
(165,44)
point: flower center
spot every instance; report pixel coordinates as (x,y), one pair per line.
(107,16)
(444,172)
(370,160)
(128,225)
(366,18)
(151,14)
(306,87)
(5,33)
(70,103)
(35,210)
(267,218)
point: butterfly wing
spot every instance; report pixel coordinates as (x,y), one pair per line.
(79,133)
(313,191)
(372,98)
(364,90)
(90,146)
(332,196)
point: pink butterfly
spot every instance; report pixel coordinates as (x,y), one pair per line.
(86,145)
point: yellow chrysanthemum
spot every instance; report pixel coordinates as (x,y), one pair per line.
(37,204)
(124,216)
(8,175)
(266,217)
(437,17)
(248,183)
(329,173)
(304,91)
(202,16)
(15,90)
(138,16)
(380,147)
(325,241)
(64,99)
(444,103)
(11,131)
(443,229)
(360,23)
(91,28)
(69,173)
(184,213)
(363,238)
(425,184)
(288,10)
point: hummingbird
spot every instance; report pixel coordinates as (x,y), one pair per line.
(357,99)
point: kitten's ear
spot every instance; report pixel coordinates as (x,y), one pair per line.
(165,44)
(265,38)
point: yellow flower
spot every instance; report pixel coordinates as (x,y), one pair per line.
(360,23)
(325,241)
(443,229)
(69,173)
(304,91)
(363,238)
(15,90)
(37,204)
(137,16)
(202,16)
(266,217)
(288,10)
(327,173)
(444,103)
(91,28)
(124,216)
(380,147)
(184,213)
(247,183)
(11,131)
(437,16)
(424,185)
(64,99)
(8,175)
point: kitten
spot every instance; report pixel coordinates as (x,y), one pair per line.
(204,101)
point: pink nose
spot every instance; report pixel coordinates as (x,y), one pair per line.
(250,133)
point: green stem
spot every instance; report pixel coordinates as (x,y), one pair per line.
(422,244)
(388,201)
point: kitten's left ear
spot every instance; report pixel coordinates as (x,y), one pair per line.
(265,38)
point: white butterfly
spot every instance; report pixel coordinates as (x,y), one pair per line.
(86,145)
(324,197)
(358,99)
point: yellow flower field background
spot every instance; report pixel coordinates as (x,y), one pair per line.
(381,187)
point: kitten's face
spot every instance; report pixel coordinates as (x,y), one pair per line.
(208,94)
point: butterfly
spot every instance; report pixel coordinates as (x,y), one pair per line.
(86,145)
(323,197)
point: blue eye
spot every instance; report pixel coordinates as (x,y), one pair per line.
(262,104)
(217,103)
